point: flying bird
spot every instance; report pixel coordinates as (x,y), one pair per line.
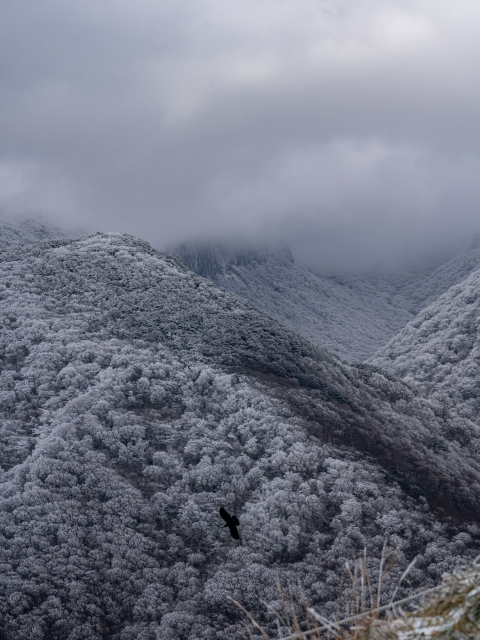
(232,523)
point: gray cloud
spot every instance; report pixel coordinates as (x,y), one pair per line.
(348,129)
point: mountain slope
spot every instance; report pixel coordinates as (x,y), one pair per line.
(428,289)
(138,398)
(353,316)
(29,230)
(438,354)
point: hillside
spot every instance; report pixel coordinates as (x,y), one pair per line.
(353,316)
(428,289)
(438,355)
(137,398)
(29,230)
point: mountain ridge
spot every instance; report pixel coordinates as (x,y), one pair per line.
(33,229)
(437,353)
(137,398)
(353,316)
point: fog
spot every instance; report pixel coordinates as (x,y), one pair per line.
(348,130)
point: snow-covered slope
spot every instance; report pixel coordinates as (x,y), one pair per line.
(351,315)
(137,398)
(439,354)
(425,290)
(29,230)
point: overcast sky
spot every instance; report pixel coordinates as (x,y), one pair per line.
(348,128)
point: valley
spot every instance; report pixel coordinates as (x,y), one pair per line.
(137,398)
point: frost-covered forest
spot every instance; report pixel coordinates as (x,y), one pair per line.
(137,398)
(351,315)
(438,355)
(29,230)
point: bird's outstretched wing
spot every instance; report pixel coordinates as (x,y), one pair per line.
(225,515)
(234,531)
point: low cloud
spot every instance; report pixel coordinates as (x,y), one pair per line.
(348,129)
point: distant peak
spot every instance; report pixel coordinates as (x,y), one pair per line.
(476,241)
(208,259)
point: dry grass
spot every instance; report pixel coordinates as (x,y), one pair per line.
(450,611)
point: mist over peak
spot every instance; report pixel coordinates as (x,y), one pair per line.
(208,259)
(350,314)
(350,133)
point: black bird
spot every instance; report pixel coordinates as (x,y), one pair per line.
(232,523)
